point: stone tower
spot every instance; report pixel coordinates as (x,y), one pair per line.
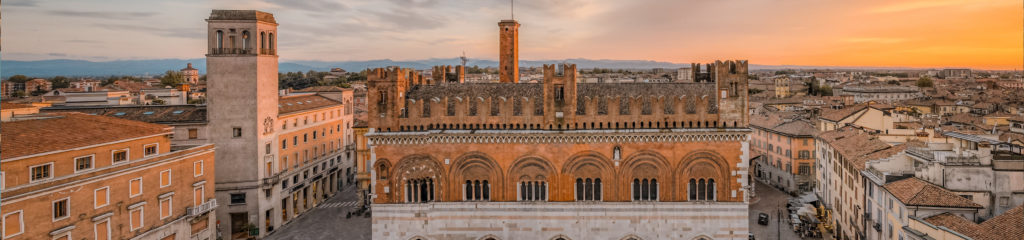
(242,107)
(508,51)
(191,74)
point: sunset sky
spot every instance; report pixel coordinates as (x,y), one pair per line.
(986,34)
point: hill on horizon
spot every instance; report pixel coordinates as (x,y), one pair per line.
(155,67)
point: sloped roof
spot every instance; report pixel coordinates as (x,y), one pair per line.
(163,114)
(305,102)
(1009,225)
(836,115)
(70,130)
(323,89)
(916,192)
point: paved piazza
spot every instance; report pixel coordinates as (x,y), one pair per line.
(769,200)
(327,221)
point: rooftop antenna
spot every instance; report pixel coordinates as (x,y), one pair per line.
(463,58)
(513,9)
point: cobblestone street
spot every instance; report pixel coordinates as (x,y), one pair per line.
(328,221)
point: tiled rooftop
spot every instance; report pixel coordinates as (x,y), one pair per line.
(165,114)
(1009,225)
(69,130)
(916,192)
(304,102)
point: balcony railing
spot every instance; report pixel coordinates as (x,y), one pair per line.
(270,181)
(232,51)
(203,208)
(264,51)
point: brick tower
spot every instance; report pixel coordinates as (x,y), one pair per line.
(508,51)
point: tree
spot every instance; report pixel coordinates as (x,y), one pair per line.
(158,102)
(825,90)
(925,82)
(60,82)
(18,78)
(18,94)
(893,82)
(172,78)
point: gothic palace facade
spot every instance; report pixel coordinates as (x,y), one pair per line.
(558,159)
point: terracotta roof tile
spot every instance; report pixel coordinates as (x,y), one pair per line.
(163,114)
(305,102)
(323,89)
(838,114)
(916,192)
(9,105)
(1009,225)
(69,130)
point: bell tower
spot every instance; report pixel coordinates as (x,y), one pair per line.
(508,51)
(242,107)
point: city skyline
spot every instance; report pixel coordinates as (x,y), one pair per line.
(916,34)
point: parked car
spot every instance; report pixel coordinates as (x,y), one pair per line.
(762,218)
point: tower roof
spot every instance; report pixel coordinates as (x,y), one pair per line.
(252,15)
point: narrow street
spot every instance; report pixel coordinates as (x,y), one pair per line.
(770,201)
(328,221)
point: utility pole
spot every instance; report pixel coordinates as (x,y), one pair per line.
(778,225)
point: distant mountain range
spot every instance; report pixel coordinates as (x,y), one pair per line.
(82,68)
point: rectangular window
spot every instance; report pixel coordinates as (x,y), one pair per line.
(236,132)
(136,218)
(198,196)
(60,209)
(13,224)
(238,198)
(165,208)
(284,144)
(193,133)
(83,163)
(197,168)
(102,230)
(165,178)
(295,140)
(119,156)
(151,149)
(101,197)
(135,187)
(41,172)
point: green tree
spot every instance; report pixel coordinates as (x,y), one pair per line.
(158,102)
(18,78)
(925,81)
(172,78)
(60,82)
(825,90)
(18,94)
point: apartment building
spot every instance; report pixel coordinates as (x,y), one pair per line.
(841,156)
(786,148)
(79,176)
(278,155)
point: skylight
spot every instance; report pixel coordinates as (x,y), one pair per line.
(119,114)
(177,111)
(147,113)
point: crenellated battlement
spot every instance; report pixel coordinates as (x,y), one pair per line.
(558,103)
